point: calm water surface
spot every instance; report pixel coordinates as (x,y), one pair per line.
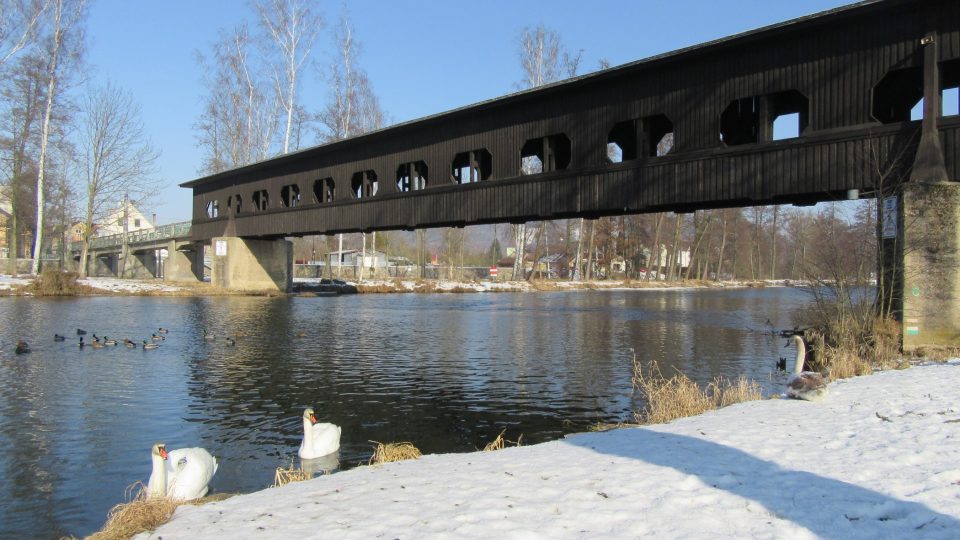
(447,372)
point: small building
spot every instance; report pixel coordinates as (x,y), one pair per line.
(554,266)
(25,242)
(355,258)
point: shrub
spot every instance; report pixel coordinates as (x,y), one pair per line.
(53,282)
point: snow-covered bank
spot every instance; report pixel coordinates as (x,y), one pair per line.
(441,285)
(878,458)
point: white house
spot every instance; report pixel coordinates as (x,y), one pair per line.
(112,223)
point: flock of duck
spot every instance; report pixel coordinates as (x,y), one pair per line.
(185,473)
(101,342)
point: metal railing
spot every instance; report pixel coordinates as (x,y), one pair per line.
(165,232)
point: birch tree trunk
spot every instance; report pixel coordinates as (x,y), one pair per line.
(656,248)
(45,131)
(723,244)
(578,265)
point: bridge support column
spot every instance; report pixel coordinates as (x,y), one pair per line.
(931,265)
(184,262)
(930,230)
(248,265)
(141,264)
(103,265)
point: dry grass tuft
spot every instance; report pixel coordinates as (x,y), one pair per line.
(846,350)
(679,396)
(52,282)
(284,476)
(288,475)
(140,514)
(500,443)
(388,453)
(143,514)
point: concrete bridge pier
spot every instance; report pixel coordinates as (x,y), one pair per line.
(142,264)
(930,295)
(929,230)
(104,265)
(252,265)
(184,262)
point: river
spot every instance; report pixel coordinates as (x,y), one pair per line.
(446,372)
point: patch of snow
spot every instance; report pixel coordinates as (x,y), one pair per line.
(877,458)
(127,285)
(8,282)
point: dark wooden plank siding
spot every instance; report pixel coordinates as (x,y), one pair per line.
(834,60)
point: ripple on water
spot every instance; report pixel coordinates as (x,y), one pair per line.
(446,372)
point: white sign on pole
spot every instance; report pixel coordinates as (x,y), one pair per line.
(221,248)
(889,216)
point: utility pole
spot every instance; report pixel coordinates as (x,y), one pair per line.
(340,257)
(125,250)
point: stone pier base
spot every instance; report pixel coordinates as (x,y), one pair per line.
(142,265)
(184,262)
(252,265)
(931,265)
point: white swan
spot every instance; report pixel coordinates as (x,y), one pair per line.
(807,385)
(318,439)
(180,474)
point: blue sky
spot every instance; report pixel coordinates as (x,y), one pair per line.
(422,57)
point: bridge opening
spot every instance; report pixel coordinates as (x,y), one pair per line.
(897,96)
(740,121)
(472,166)
(545,154)
(213,209)
(622,142)
(290,196)
(790,113)
(412,176)
(364,184)
(658,132)
(324,190)
(950,80)
(234,204)
(261,200)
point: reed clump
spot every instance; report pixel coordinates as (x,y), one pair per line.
(678,396)
(139,514)
(288,475)
(843,349)
(500,442)
(390,452)
(143,514)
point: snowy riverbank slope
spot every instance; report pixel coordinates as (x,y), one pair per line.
(878,458)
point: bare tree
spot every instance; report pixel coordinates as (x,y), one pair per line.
(19,20)
(116,159)
(63,47)
(544,60)
(352,108)
(293,27)
(23,99)
(239,118)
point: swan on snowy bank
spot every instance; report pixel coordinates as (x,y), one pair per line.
(181,474)
(318,439)
(806,385)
